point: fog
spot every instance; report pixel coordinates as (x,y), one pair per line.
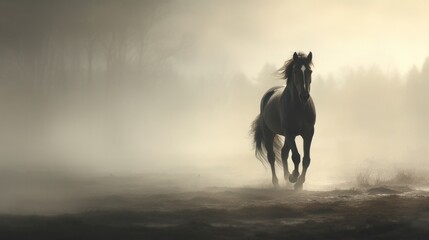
(170,88)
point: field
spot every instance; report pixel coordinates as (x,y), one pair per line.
(100,211)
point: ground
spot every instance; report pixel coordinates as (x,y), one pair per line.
(376,212)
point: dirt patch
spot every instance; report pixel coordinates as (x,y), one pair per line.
(241,213)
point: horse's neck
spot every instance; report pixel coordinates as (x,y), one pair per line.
(291,93)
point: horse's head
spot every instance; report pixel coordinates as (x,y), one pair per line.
(301,75)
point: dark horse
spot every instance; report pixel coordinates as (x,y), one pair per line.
(288,111)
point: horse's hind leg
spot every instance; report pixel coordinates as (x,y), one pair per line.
(285,155)
(269,136)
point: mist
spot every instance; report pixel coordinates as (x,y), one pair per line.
(170,88)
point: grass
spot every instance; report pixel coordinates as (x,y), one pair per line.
(368,178)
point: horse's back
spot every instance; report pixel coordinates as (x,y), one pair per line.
(270,109)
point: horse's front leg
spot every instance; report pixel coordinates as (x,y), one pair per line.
(285,155)
(307,138)
(296,158)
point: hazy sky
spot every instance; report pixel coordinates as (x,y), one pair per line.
(341,34)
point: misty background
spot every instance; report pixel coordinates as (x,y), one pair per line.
(108,88)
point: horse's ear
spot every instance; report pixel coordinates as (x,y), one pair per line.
(295,57)
(309,57)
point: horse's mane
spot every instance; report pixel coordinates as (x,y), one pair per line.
(286,70)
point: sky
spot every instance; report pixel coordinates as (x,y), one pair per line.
(171,87)
(342,34)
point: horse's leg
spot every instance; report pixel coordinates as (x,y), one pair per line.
(271,157)
(296,158)
(306,159)
(285,155)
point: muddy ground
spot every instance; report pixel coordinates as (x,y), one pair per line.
(375,212)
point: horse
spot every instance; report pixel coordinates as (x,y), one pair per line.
(287,111)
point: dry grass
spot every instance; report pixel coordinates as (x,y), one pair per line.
(369,178)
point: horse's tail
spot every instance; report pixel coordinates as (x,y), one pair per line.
(259,141)
(260,130)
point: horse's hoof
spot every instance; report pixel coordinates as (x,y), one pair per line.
(298,186)
(276,183)
(293,178)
